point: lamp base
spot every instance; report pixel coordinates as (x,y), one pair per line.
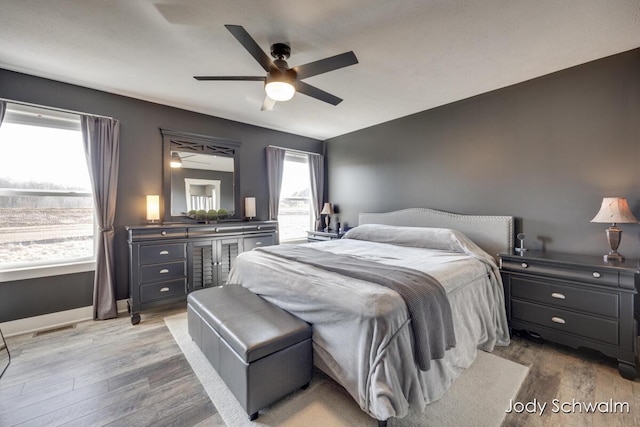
(613,256)
(153,221)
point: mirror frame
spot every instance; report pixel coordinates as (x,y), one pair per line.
(204,144)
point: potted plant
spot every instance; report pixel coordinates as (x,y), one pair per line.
(201,215)
(223,213)
(212,215)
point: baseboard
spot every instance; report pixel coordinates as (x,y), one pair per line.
(52,320)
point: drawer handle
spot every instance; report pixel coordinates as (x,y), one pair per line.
(164,252)
(217,229)
(164,271)
(558,320)
(164,233)
(525,265)
(259,227)
(165,289)
(558,295)
(258,243)
(596,275)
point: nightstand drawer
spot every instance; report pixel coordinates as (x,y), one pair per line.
(164,271)
(162,290)
(257,242)
(588,275)
(598,329)
(154,254)
(575,298)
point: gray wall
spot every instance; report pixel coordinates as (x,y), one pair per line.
(140,174)
(545,151)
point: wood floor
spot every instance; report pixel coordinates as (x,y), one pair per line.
(103,373)
(112,373)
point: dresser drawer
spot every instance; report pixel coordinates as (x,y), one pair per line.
(164,271)
(159,233)
(598,329)
(162,290)
(568,272)
(154,254)
(250,243)
(574,298)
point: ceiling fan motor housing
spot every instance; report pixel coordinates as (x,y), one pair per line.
(280,51)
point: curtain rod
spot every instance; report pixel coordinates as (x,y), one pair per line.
(64,110)
(295,151)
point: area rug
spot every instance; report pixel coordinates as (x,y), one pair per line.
(479,397)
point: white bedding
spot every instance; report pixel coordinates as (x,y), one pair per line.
(361,332)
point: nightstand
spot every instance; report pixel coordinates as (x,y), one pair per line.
(320,236)
(575,300)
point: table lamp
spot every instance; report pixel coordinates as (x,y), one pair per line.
(614,210)
(327,210)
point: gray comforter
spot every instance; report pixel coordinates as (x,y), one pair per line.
(361,331)
(426,299)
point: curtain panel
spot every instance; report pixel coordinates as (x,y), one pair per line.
(275,166)
(101,137)
(3,109)
(316,172)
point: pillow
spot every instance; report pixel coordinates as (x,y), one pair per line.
(444,239)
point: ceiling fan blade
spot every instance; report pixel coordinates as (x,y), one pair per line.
(268,104)
(250,44)
(230,78)
(316,93)
(326,65)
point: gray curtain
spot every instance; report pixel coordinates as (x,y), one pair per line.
(316,171)
(275,166)
(101,138)
(3,109)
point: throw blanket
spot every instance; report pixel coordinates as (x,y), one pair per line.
(424,296)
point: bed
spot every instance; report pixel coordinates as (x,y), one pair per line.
(363,336)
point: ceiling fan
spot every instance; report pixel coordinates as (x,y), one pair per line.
(282,82)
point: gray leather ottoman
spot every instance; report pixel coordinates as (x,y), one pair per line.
(261,351)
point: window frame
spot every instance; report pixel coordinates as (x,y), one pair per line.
(30,115)
(297,157)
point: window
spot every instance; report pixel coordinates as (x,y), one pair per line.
(294,212)
(46,205)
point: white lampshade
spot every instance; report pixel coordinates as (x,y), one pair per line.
(153,208)
(614,210)
(249,207)
(327,209)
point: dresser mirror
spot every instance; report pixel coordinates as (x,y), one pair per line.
(206,179)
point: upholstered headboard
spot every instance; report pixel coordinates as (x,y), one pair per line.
(494,234)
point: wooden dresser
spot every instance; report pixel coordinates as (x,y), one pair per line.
(168,261)
(575,300)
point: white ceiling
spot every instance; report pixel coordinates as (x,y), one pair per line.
(414,54)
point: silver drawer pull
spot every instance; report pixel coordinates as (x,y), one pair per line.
(259,227)
(525,265)
(596,274)
(258,243)
(164,271)
(557,295)
(558,320)
(164,233)
(164,252)
(165,289)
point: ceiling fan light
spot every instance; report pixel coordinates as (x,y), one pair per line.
(280,91)
(176,161)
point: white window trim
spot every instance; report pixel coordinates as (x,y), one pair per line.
(42,116)
(37,271)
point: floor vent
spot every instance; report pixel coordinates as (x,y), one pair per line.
(48,331)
